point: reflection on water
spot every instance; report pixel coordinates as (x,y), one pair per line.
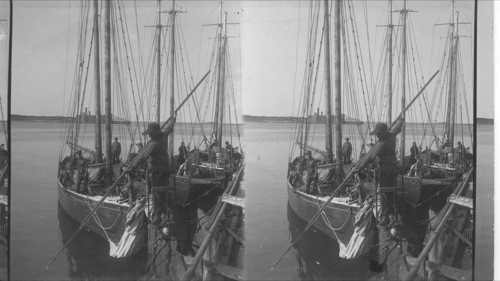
(317,255)
(88,255)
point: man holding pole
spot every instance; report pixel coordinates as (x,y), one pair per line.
(158,162)
(387,164)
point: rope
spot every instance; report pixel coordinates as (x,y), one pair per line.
(327,222)
(98,221)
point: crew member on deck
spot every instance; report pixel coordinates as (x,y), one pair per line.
(229,147)
(346,152)
(80,165)
(414,151)
(387,165)
(156,151)
(157,155)
(116,149)
(310,165)
(461,152)
(183,152)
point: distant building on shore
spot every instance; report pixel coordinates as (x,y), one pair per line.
(318,117)
(87,117)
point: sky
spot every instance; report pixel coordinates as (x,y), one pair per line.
(271,51)
(4,28)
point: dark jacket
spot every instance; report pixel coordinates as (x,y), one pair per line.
(384,151)
(156,151)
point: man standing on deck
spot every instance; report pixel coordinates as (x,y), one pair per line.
(414,151)
(82,174)
(387,164)
(346,152)
(116,149)
(310,165)
(183,152)
(156,152)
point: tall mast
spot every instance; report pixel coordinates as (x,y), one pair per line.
(338,89)
(172,83)
(219,78)
(328,92)
(450,75)
(390,29)
(222,70)
(404,14)
(453,88)
(158,66)
(97,78)
(107,86)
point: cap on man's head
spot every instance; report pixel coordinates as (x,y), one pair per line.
(346,138)
(308,152)
(79,152)
(116,138)
(153,128)
(379,128)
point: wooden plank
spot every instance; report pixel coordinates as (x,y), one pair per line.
(451,272)
(461,200)
(235,236)
(225,270)
(234,200)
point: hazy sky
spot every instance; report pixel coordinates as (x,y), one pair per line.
(4,15)
(43,57)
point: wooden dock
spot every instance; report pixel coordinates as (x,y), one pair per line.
(218,243)
(448,244)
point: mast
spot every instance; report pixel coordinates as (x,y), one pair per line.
(453,88)
(222,70)
(328,95)
(338,89)
(390,29)
(404,13)
(107,86)
(158,66)
(219,78)
(450,75)
(172,83)
(97,77)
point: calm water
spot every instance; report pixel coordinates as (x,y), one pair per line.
(270,226)
(38,229)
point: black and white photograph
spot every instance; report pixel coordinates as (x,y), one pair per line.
(247,140)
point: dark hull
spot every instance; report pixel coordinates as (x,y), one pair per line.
(340,216)
(107,222)
(414,190)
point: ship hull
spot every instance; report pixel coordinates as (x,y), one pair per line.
(415,191)
(109,219)
(338,220)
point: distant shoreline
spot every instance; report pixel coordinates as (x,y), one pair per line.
(246,118)
(288,119)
